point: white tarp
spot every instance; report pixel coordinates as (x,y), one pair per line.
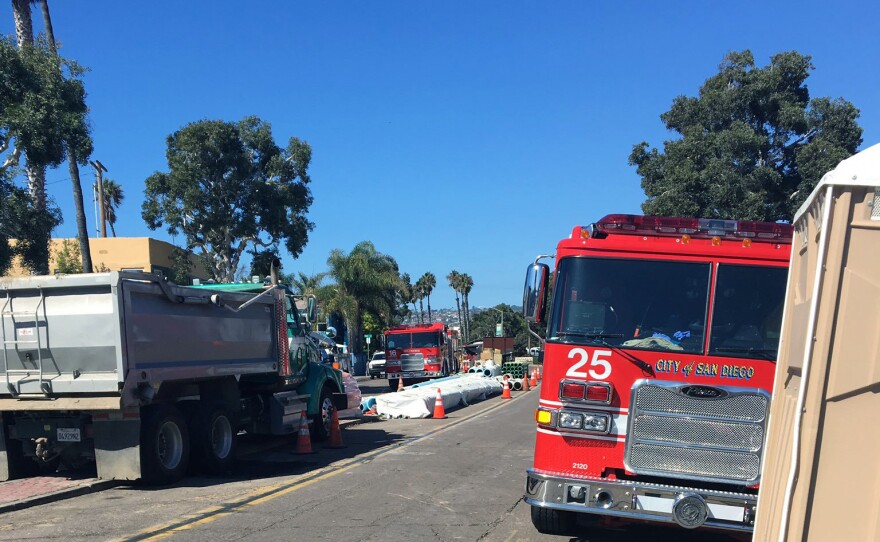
(418,402)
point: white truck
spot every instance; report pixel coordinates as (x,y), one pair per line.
(141,375)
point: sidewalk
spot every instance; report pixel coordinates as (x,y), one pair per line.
(18,494)
(37,490)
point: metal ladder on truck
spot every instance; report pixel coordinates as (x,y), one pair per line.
(18,317)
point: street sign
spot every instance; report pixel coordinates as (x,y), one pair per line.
(498,330)
(368,336)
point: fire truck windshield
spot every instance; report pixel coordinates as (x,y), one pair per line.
(639,304)
(748,311)
(662,305)
(414,340)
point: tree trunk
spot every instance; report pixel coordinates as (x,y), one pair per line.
(421,310)
(47,22)
(430,318)
(458,308)
(467,318)
(24,27)
(81,226)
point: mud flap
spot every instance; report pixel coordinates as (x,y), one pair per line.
(340,401)
(117,449)
(4,457)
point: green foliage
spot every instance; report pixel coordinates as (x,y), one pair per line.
(113,196)
(181,266)
(365,281)
(752,145)
(484,321)
(68,259)
(230,187)
(261,264)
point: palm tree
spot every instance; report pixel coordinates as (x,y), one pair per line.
(429,281)
(467,283)
(408,292)
(420,294)
(454,278)
(303,284)
(113,197)
(365,280)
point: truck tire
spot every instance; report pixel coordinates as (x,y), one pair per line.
(164,445)
(550,521)
(321,420)
(213,441)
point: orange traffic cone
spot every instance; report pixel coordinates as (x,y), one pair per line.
(525,384)
(335,432)
(439,411)
(303,439)
(400,383)
(534,381)
(505,394)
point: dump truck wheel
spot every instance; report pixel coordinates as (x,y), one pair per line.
(164,446)
(321,420)
(214,441)
(549,521)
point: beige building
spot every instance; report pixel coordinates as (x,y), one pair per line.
(123,253)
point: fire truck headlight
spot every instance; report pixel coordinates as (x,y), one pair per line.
(571,420)
(596,422)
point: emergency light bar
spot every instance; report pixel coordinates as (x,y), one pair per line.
(694,227)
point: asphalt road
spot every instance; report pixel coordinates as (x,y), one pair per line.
(397,480)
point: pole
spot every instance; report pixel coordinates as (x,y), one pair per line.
(99,169)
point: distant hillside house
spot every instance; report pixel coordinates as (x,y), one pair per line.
(124,253)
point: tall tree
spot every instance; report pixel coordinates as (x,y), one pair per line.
(467,283)
(429,282)
(454,278)
(362,280)
(78,142)
(408,292)
(113,196)
(751,146)
(419,289)
(230,187)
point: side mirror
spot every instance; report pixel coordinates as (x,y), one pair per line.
(311,310)
(535,292)
(331,332)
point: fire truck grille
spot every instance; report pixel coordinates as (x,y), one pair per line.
(412,362)
(718,438)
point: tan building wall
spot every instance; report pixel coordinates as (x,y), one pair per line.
(118,253)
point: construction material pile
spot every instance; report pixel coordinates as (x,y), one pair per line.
(417,401)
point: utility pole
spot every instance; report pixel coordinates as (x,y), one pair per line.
(99,168)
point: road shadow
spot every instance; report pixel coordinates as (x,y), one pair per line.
(592,530)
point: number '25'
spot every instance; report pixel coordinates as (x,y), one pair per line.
(600,367)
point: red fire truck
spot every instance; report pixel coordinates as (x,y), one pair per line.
(418,352)
(659,361)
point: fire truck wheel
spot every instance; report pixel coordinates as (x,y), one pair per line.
(213,441)
(164,445)
(549,521)
(321,420)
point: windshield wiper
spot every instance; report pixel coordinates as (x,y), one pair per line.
(600,338)
(759,353)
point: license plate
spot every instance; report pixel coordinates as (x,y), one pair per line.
(664,505)
(68,435)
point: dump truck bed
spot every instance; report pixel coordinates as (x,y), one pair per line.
(103,334)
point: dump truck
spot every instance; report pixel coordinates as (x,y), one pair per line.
(145,377)
(819,480)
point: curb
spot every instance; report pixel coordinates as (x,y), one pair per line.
(97,485)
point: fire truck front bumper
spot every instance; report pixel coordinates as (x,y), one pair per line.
(688,507)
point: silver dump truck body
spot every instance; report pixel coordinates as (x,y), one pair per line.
(99,340)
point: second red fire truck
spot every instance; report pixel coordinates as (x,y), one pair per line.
(418,352)
(659,362)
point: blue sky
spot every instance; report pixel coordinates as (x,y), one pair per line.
(453,135)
